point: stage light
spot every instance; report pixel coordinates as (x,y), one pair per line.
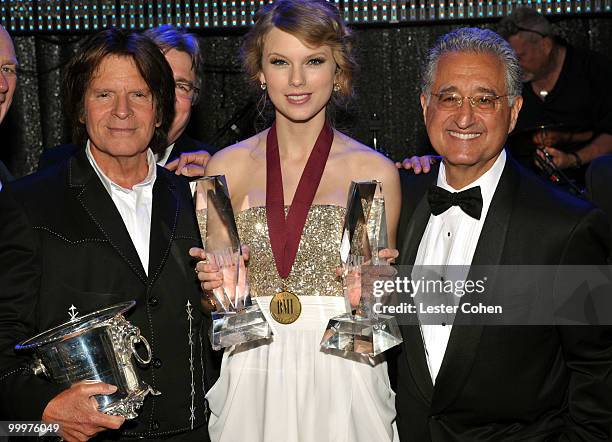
(76,15)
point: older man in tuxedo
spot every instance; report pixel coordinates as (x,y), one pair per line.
(479,207)
(8,82)
(106,226)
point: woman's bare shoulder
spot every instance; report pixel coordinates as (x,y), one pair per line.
(363,158)
(236,156)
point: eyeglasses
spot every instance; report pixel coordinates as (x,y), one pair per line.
(482,102)
(186,89)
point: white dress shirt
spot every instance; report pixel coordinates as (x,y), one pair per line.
(450,239)
(162,157)
(134,205)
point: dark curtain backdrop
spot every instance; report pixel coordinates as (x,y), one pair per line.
(229,109)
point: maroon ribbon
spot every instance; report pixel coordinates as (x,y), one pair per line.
(284,233)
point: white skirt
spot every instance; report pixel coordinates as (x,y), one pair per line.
(287,389)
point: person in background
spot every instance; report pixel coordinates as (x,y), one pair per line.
(8,83)
(183,155)
(567,101)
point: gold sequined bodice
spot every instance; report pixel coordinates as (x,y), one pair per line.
(314,270)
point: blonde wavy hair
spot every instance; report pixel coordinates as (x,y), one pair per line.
(315,23)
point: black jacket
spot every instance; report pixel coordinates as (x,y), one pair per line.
(63,243)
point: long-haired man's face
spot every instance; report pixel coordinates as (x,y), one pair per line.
(119,109)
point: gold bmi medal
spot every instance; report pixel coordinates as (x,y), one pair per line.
(285,307)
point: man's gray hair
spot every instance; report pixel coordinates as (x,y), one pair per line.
(526,21)
(475,40)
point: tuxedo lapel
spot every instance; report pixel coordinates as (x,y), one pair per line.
(96,201)
(177,149)
(493,236)
(183,144)
(163,222)
(414,232)
(414,352)
(464,339)
(415,212)
(5,175)
(412,229)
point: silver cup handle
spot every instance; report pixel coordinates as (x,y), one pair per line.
(136,339)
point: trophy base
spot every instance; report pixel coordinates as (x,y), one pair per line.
(128,406)
(366,336)
(236,328)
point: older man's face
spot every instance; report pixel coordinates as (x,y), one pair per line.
(8,72)
(468,137)
(119,110)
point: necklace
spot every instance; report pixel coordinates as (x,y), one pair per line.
(285,232)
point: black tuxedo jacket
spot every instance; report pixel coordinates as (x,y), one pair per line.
(5,175)
(183,144)
(63,243)
(509,383)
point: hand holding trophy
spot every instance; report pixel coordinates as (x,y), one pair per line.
(235,318)
(96,347)
(361,330)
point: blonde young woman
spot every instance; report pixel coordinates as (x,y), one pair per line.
(288,186)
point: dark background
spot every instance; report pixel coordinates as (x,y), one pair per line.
(390,59)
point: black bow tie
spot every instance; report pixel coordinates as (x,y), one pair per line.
(470,200)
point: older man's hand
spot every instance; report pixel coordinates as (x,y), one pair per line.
(76,411)
(211,277)
(190,164)
(418,164)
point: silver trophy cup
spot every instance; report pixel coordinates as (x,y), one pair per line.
(361,330)
(236,319)
(96,347)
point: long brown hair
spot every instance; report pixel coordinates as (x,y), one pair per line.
(314,22)
(149,61)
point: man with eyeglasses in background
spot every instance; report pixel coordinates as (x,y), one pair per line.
(567,99)
(184,155)
(459,379)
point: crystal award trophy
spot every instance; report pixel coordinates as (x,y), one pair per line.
(361,330)
(235,318)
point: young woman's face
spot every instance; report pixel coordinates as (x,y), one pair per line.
(300,79)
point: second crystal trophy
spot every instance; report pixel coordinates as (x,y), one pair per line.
(235,318)
(361,330)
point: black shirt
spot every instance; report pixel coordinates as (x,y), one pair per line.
(580,101)
(581,98)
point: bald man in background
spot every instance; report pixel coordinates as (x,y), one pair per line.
(8,82)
